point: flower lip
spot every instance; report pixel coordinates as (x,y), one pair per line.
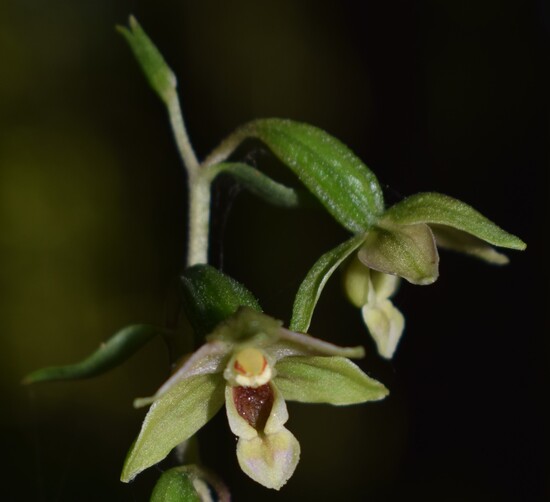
(248,368)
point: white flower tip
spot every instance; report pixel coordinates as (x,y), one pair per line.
(269,459)
(386,325)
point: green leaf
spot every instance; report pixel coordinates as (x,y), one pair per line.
(331,171)
(175,485)
(174,418)
(331,380)
(259,184)
(210,297)
(441,209)
(408,251)
(158,73)
(109,355)
(312,286)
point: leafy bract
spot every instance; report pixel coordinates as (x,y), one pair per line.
(158,73)
(210,297)
(259,184)
(110,354)
(314,282)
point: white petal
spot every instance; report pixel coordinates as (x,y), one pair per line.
(385,324)
(269,459)
(279,414)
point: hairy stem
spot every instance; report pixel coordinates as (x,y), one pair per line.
(198,188)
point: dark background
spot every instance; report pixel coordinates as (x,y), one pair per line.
(449,96)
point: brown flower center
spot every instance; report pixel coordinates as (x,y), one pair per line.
(254,404)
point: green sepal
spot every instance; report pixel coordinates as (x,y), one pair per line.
(315,280)
(173,418)
(110,354)
(158,73)
(210,297)
(259,184)
(408,251)
(175,485)
(347,188)
(457,240)
(332,380)
(436,208)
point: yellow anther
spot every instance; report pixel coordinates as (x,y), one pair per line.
(250,362)
(248,368)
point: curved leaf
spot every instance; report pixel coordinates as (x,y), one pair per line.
(210,297)
(431,207)
(312,286)
(259,184)
(109,355)
(346,187)
(172,419)
(331,380)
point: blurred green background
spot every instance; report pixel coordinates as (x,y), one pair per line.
(448,96)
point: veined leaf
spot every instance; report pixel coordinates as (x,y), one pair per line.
(346,187)
(330,170)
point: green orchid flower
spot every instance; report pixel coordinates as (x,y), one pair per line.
(253,365)
(401,244)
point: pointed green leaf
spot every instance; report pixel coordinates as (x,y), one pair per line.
(331,171)
(331,380)
(441,209)
(259,184)
(312,286)
(408,251)
(158,73)
(175,485)
(109,355)
(210,297)
(174,418)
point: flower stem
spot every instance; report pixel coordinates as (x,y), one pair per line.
(198,187)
